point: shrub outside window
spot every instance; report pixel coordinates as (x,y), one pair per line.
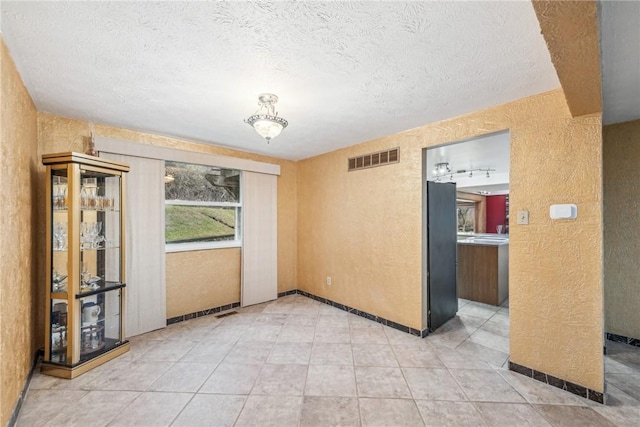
(202,207)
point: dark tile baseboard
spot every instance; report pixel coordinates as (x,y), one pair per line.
(207,312)
(579,390)
(625,340)
(416,332)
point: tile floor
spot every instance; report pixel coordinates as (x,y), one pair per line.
(297,362)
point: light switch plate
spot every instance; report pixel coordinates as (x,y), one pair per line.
(523,217)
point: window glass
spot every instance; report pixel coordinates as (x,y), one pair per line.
(202,205)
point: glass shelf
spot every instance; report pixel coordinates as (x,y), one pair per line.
(105,287)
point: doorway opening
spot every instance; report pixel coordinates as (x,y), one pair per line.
(478,169)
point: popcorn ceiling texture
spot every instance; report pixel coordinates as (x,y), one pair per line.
(195,69)
(21,186)
(621,228)
(364,230)
(571,31)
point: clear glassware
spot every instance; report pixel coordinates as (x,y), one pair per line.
(59,236)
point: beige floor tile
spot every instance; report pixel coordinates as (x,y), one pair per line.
(449,414)
(330,411)
(169,351)
(433,384)
(152,409)
(270,411)
(330,380)
(272,319)
(622,417)
(395,336)
(579,416)
(485,386)
(356,321)
(618,398)
(94,409)
(331,321)
(210,410)
(491,340)
(368,335)
(281,380)
(136,376)
(511,414)
(628,383)
(389,413)
(184,377)
(301,320)
(261,333)
(290,353)
(332,335)
(208,352)
(453,359)
(373,355)
(231,378)
(381,382)
(41,406)
(331,354)
(479,310)
(41,381)
(249,352)
(540,393)
(412,356)
(228,332)
(492,356)
(296,333)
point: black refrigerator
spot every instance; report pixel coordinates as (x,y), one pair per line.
(442,252)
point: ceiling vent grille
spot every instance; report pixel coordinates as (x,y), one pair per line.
(373,160)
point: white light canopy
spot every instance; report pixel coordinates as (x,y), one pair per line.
(265,120)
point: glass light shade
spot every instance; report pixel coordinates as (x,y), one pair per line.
(268,129)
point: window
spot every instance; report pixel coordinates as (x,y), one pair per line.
(202,207)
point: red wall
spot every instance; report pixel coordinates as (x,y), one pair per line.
(496,212)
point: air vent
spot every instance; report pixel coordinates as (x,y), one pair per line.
(374,159)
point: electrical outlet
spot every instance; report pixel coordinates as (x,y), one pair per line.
(523,217)
(328,280)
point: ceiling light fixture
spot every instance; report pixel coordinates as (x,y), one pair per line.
(265,120)
(442,170)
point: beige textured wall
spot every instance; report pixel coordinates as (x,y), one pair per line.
(20,323)
(63,134)
(214,280)
(363,228)
(621,228)
(570,29)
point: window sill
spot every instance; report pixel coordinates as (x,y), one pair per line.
(201,246)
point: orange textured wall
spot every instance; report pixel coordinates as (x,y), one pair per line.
(621,232)
(570,29)
(63,134)
(214,280)
(363,229)
(20,187)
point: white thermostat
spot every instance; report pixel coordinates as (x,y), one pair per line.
(569,211)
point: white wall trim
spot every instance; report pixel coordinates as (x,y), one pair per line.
(130,148)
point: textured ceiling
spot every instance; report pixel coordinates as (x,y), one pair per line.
(620,47)
(345,72)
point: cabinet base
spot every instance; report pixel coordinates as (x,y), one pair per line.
(67,372)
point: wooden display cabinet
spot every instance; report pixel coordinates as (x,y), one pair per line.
(85,263)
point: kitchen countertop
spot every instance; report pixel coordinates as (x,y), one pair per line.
(483,239)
